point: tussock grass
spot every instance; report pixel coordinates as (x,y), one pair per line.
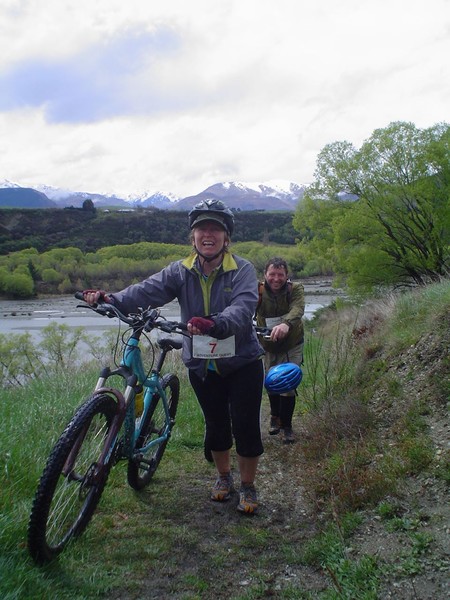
(352,381)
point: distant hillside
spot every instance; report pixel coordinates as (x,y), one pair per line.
(24,197)
(76,200)
(89,231)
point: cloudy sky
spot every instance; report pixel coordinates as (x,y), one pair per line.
(176,95)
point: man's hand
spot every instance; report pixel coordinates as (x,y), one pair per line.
(279,332)
(200,325)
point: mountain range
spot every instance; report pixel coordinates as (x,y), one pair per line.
(271,195)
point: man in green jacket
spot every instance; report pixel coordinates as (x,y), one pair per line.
(281,308)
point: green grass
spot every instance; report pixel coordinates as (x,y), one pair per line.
(158,535)
(416,314)
(351,578)
(32,420)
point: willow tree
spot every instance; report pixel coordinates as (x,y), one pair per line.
(389,203)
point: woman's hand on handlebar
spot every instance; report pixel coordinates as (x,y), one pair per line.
(93,297)
(200,325)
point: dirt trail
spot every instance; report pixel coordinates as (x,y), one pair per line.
(252,558)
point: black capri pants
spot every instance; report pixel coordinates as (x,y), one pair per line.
(231,406)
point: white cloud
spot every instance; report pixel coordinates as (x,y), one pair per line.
(176,96)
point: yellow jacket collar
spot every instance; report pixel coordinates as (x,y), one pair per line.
(228,263)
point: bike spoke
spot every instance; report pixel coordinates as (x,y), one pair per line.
(65,501)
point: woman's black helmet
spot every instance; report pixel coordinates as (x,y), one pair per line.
(212,210)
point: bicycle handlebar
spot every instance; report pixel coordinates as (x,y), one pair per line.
(146,319)
(264,332)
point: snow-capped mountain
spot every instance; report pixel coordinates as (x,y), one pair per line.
(5,183)
(270,195)
(276,188)
(52,192)
(65,197)
(15,196)
(156,199)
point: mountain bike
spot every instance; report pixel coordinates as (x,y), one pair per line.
(129,416)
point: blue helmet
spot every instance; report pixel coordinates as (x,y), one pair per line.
(283,378)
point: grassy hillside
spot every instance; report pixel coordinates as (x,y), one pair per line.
(357,509)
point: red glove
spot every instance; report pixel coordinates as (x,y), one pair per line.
(94,296)
(202,324)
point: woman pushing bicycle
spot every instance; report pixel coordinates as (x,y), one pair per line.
(218,293)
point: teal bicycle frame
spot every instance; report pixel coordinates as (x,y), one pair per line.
(105,429)
(131,369)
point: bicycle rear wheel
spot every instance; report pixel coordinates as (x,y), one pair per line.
(65,501)
(142,467)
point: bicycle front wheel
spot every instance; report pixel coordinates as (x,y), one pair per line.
(142,467)
(71,486)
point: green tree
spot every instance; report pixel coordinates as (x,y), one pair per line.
(56,256)
(59,344)
(18,284)
(20,361)
(88,206)
(51,276)
(315,219)
(383,211)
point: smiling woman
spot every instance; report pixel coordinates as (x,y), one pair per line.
(211,224)
(217,293)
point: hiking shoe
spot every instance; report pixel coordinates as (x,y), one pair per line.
(248,500)
(223,488)
(288,435)
(274,425)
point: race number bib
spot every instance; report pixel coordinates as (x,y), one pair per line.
(271,322)
(204,346)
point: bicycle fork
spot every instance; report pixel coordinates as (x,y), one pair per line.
(98,469)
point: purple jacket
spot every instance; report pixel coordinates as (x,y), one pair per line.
(229,296)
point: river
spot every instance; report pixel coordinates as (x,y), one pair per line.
(31,316)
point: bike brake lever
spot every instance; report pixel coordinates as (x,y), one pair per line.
(167,327)
(93,307)
(264,332)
